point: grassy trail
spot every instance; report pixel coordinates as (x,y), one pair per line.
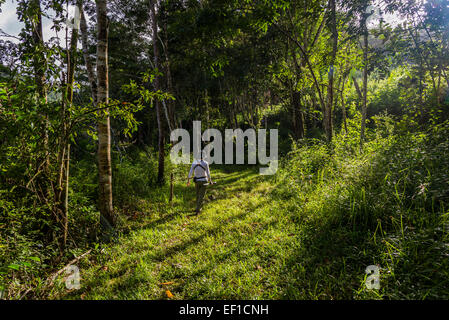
(237,248)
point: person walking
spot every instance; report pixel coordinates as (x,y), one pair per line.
(201,176)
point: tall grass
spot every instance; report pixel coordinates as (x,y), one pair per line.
(385,206)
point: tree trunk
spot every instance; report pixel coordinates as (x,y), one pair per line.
(327,117)
(160,125)
(90,71)
(172,178)
(365,86)
(64,152)
(39,60)
(170,103)
(104,124)
(357,88)
(306,62)
(39,71)
(298,117)
(65,206)
(39,66)
(343,104)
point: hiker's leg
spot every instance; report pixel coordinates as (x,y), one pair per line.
(197,188)
(201,194)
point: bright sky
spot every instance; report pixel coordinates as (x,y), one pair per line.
(10,24)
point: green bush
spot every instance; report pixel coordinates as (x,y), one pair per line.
(134,178)
(385,206)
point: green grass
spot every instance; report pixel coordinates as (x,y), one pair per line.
(307,233)
(235,249)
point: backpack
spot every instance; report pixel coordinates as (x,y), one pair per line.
(195,179)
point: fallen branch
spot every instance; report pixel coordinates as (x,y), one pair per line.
(52,279)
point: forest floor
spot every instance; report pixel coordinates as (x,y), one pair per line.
(239,247)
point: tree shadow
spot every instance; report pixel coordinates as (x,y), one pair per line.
(217,262)
(337,245)
(128,284)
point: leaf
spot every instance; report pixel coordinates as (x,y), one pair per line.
(14,266)
(169,294)
(166,283)
(36,259)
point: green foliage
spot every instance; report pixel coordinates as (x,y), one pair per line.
(134,178)
(309,232)
(383,207)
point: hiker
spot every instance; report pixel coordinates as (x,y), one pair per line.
(201,176)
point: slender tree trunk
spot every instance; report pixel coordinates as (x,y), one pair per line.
(206,107)
(292,103)
(343,104)
(435,45)
(39,59)
(298,116)
(161,140)
(306,62)
(65,206)
(171,187)
(365,86)
(235,112)
(39,71)
(422,58)
(39,66)
(357,88)
(90,70)
(170,103)
(64,153)
(328,123)
(104,124)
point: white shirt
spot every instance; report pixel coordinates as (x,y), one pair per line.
(200,169)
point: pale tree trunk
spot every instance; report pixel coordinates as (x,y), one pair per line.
(104,124)
(160,124)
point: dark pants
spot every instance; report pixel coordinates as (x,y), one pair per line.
(200,187)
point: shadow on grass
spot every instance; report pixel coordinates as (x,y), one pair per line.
(338,244)
(128,282)
(233,252)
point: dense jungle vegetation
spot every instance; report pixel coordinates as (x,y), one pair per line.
(357,89)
